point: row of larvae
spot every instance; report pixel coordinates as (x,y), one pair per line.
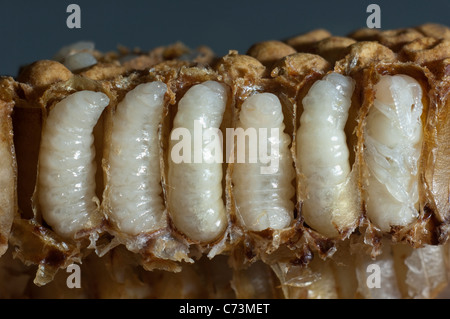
(141,191)
(135,190)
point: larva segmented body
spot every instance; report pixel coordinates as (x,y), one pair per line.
(393,141)
(323,155)
(195,184)
(66,181)
(263,188)
(134,194)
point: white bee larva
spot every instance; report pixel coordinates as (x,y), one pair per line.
(195,182)
(136,205)
(66,181)
(323,155)
(393,142)
(264,198)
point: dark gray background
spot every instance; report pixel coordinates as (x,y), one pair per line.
(34,30)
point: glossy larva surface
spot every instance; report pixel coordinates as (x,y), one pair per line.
(393,140)
(136,205)
(264,198)
(322,153)
(195,186)
(66,181)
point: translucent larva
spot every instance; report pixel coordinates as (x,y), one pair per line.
(136,205)
(393,141)
(66,181)
(323,155)
(264,198)
(195,182)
